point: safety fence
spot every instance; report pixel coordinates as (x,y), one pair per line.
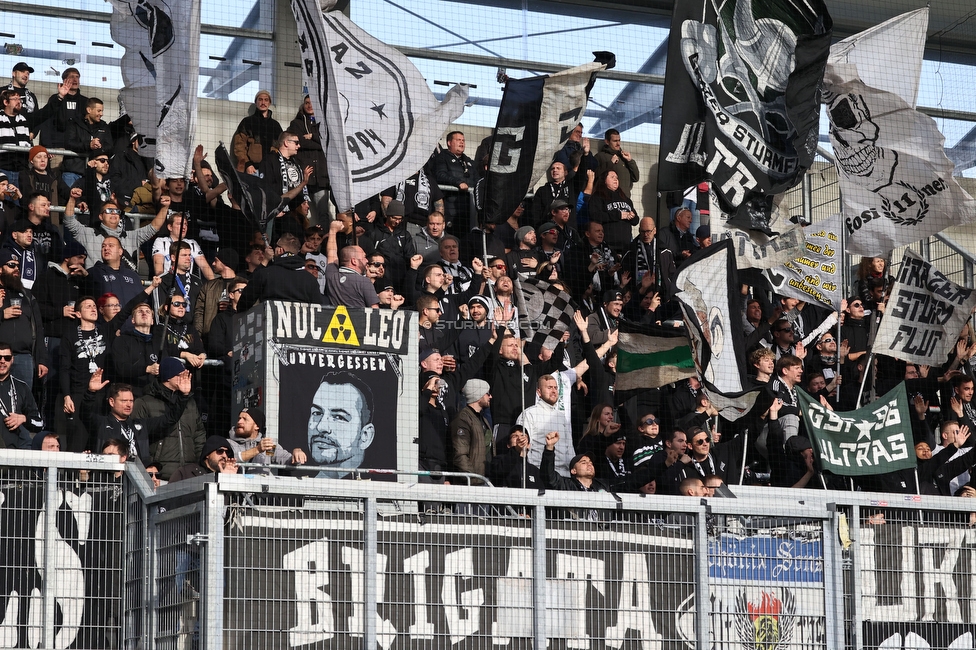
(95,560)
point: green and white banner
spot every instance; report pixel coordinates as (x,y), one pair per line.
(874,439)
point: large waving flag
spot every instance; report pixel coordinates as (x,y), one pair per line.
(742,100)
(708,292)
(160,68)
(895,179)
(383,121)
(535,119)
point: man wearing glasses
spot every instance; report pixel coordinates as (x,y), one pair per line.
(214,459)
(390,239)
(17,407)
(783,341)
(110,225)
(21,326)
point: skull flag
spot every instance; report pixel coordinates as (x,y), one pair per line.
(742,100)
(895,179)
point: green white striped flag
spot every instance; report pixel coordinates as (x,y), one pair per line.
(650,356)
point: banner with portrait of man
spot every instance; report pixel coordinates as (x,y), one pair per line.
(339,384)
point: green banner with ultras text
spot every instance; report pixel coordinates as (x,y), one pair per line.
(874,439)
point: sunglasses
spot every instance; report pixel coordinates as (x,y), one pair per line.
(437,309)
(785,329)
(240,290)
(101,160)
(6,357)
(856,304)
(12,265)
(703,441)
(826,340)
(221,452)
(500,267)
(376,265)
(179,304)
(649,421)
(311,267)
(111,211)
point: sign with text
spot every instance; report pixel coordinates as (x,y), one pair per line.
(925,313)
(338,383)
(814,274)
(874,439)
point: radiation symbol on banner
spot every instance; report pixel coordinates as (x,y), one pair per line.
(340,329)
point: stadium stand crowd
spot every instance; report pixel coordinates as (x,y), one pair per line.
(110,315)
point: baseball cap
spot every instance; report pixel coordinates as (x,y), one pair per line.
(22,66)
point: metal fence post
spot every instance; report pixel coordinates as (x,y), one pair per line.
(833,580)
(212,567)
(539,576)
(702,600)
(369,579)
(50,573)
(807,198)
(854,525)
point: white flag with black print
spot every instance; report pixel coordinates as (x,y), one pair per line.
(160,68)
(382,120)
(895,179)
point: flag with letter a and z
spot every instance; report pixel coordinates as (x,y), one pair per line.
(382,120)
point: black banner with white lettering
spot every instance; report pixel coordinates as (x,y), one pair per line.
(742,100)
(513,147)
(452,582)
(925,312)
(535,119)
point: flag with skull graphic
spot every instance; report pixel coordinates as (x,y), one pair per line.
(895,179)
(742,100)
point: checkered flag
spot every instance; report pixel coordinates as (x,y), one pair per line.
(546,311)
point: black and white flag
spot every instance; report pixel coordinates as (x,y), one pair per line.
(545,310)
(925,313)
(382,120)
(895,179)
(535,119)
(160,68)
(248,191)
(712,313)
(742,100)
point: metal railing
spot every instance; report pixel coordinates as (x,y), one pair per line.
(255,562)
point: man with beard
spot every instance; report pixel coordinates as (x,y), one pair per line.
(340,427)
(48,243)
(525,257)
(473,332)
(214,458)
(17,407)
(21,326)
(110,225)
(251,443)
(604,320)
